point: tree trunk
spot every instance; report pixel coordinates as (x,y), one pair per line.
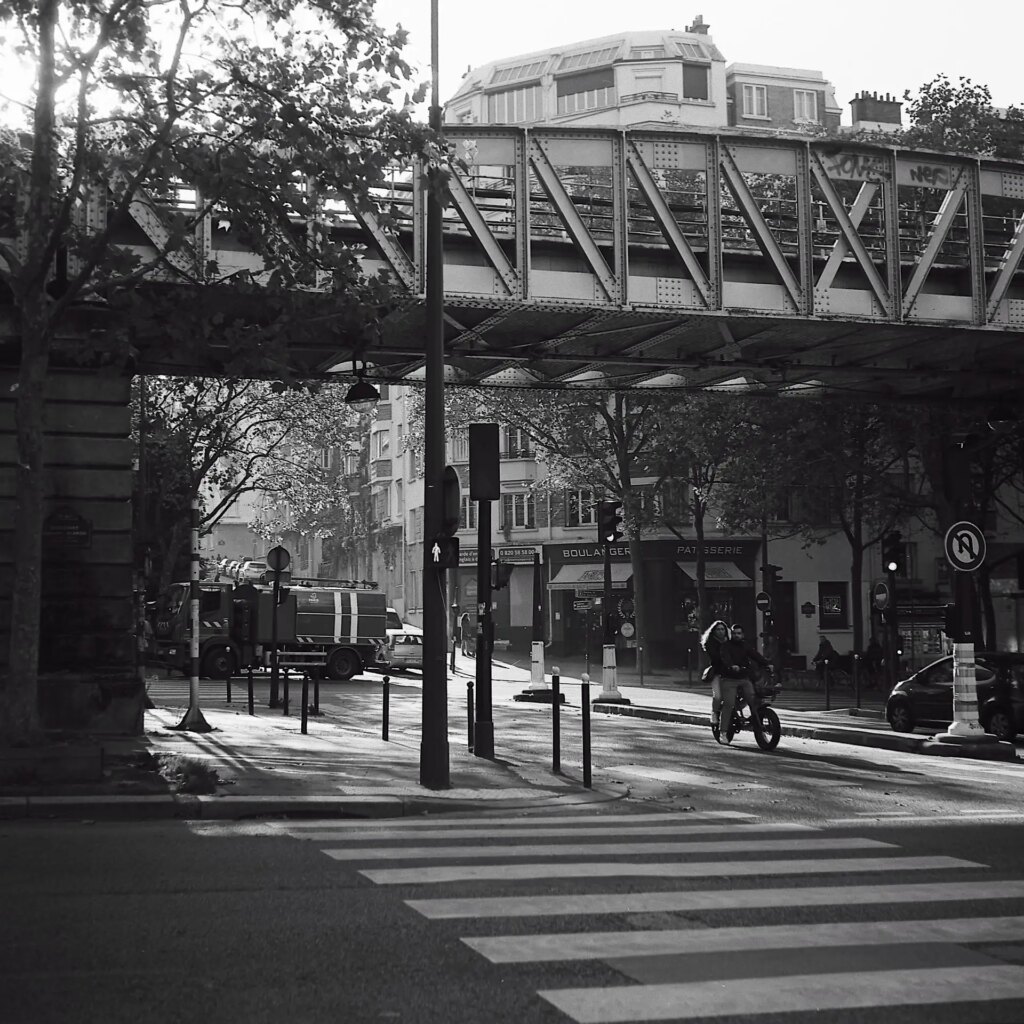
(19,723)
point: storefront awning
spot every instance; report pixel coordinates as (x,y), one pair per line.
(590,576)
(718,574)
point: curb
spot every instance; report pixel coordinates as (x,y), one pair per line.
(836,734)
(189,807)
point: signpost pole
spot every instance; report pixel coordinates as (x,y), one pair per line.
(610,693)
(538,690)
(483,731)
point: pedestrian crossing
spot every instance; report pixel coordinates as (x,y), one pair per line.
(702,916)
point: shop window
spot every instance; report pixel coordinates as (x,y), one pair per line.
(833,606)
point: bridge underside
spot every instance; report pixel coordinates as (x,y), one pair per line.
(563,347)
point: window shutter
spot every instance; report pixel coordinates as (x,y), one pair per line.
(506,512)
(531,518)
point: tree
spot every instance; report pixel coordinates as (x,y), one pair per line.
(217,439)
(136,101)
(960,118)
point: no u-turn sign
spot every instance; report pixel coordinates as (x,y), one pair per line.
(965,546)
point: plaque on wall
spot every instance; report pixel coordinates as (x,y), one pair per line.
(64,528)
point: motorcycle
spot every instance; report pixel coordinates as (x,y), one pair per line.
(765,724)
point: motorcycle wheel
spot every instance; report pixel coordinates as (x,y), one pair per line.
(768,730)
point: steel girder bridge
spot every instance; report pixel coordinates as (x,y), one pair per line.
(675,258)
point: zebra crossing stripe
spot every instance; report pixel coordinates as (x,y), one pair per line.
(715,899)
(744,845)
(587,870)
(521,949)
(585,817)
(592,832)
(789,994)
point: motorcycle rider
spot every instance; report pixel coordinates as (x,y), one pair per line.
(728,671)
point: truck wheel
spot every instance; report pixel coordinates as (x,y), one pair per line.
(343,664)
(217,662)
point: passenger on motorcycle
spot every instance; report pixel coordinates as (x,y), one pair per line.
(729,670)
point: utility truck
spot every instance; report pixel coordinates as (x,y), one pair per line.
(337,627)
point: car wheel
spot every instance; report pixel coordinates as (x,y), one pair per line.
(901,718)
(1001,725)
(218,663)
(343,664)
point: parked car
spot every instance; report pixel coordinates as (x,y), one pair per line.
(405,650)
(926,697)
(253,571)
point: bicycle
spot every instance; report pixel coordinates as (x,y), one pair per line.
(765,724)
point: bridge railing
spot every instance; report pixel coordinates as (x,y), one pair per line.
(678,219)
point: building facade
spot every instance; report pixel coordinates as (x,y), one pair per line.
(643,77)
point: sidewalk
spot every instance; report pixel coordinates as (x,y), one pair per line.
(263,766)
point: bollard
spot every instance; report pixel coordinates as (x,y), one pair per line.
(856,680)
(469,711)
(828,688)
(249,672)
(385,721)
(285,692)
(305,702)
(585,706)
(227,678)
(556,738)
(316,692)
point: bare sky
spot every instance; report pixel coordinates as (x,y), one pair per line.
(878,45)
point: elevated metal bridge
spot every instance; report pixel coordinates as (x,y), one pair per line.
(664,257)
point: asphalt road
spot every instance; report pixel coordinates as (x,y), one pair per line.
(820,882)
(620,912)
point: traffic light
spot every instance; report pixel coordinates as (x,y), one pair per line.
(951,626)
(893,552)
(501,573)
(772,576)
(609,519)
(901,643)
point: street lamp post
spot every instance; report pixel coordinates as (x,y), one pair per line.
(434,770)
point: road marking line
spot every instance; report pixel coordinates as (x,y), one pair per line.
(965,817)
(792,994)
(798,845)
(586,815)
(716,899)
(483,831)
(696,869)
(521,949)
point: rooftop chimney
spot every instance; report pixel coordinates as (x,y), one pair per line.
(869,110)
(698,27)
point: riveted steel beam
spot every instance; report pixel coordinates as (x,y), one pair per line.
(482,234)
(769,247)
(571,219)
(663,217)
(390,248)
(1008,265)
(848,232)
(948,210)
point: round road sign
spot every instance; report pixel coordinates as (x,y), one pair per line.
(762,601)
(965,546)
(278,558)
(880,596)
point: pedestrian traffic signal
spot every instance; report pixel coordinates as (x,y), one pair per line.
(893,552)
(609,519)
(501,573)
